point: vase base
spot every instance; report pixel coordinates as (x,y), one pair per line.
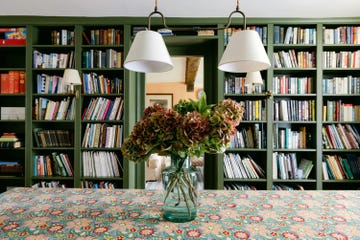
(179,215)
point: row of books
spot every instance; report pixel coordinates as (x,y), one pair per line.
(238,186)
(101,108)
(286,138)
(341,35)
(12,82)
(287,166)
(342,59)
(94,83)
(340,136)
(49,84)
(12,167)
(53,137)
(47,109)
(341,167)
(9,140)
(53,60)
(339,111)
(98,184)
(254,110)
(286,84)
(102,135)
(294,110)
(294,35)
(56,164)
(261,30)
(101,164)
(249,137)
(284,187)
(102,36)
(98,58)
(293,59)
(236,166)
(237,85)
(49,184)
(341,85)
(63,37)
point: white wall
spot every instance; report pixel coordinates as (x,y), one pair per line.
(184,8)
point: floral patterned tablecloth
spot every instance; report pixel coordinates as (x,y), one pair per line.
(28,213)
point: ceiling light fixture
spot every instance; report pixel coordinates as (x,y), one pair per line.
(244,52)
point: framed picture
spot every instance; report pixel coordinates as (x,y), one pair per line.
(163,99)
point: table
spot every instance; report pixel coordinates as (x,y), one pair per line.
(45,213)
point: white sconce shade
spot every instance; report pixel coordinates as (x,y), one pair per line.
(244,53)
(148,53)
(71,77)
(254,78)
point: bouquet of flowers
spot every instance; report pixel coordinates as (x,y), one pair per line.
(189,129)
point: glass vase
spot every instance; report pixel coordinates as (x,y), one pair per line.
(180,190)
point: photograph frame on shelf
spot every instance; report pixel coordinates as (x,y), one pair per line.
(164,99)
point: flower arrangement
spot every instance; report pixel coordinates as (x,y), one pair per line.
(189,129)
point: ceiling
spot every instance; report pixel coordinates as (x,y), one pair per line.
(185,8)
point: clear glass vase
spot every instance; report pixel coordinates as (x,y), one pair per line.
(180,190)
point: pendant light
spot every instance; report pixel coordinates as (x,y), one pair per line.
(244,52)
(148,52)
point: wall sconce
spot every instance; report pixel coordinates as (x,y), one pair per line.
(244,52)
(71,78)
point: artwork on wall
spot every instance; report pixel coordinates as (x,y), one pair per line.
(163,99)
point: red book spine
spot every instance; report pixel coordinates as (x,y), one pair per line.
(4,78)
(11,82)
(21,81)
(15,79)
(12,41)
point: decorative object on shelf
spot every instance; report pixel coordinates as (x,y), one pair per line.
(244,52)
(71,78)
(191,128)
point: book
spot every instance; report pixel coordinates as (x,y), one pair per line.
(305,166)
(8,137)
(12,113)
(60,163)
(13,42)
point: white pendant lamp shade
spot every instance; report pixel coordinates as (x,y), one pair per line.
(148,53)
(254,78)
(71,77)
(244,53)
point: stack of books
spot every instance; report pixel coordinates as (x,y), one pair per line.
(9,140)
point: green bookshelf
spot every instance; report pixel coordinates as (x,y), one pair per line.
(72,36)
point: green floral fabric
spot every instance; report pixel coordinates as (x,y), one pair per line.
(27,213)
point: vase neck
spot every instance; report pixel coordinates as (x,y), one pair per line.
(178,162)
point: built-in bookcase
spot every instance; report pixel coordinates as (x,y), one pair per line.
(52,162)
(244,162)
(250,142)
(102,104)
(12,104)
(294,106)
(309,96)
(340,105)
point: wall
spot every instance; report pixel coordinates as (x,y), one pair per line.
(177,89)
